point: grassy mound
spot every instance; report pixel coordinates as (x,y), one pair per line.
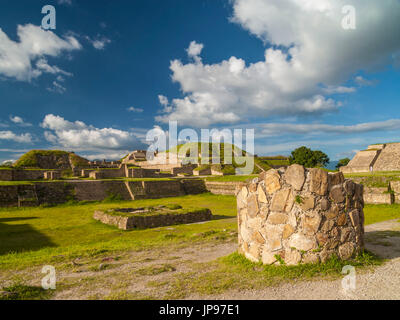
(50,159)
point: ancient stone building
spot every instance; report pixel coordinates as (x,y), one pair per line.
(299,215)
(378,157)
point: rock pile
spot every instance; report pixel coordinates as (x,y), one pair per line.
(299,215)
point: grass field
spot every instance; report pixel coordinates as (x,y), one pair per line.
(33,237)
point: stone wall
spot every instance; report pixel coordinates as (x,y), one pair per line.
(300,215)
(378,196)
(225,188)
(21,175)
(395,188)
(153,221)
(188,169)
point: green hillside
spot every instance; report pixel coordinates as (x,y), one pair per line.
(50,159)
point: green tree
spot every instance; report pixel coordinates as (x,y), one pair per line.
(342,162)
(309,158)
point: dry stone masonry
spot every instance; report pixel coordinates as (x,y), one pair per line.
(299,215)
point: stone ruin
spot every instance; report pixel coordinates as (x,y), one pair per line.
(152,217)
(299,215)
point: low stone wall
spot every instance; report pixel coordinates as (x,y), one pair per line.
(193,186)
(21,175)
(378,196)
(202,172)
(107,174)
(224,188)
(300,215)
(143,173)
(188,169)
(153,221)
(395,188)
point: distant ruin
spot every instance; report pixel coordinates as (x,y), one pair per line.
(377,157)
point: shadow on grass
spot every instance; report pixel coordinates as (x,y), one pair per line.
(219,217)
(385,244)
(18,237)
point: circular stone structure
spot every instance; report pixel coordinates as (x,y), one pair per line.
(297,215)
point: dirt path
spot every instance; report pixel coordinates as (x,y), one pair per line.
(383,283)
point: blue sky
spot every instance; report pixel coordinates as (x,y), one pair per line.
(112,70)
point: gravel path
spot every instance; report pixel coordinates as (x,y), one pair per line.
(382,283)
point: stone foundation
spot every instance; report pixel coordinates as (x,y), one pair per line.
(300,215)
(162,219)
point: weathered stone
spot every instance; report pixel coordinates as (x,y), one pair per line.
(268,257)
(277,218)
(294,176)
(310,223)
(301,242)
(253,252)
(349,187)
(289,202)
(333,212)
(252,206)
(279,200)
(322,238)
(354,217)
(342,220)
(246,235)
(292,257)
(254,223)
(310,258)
(257,237)
(332,244)
(325,204)
(263,213)
(325,254)
(273,234)
(335,178)
(242,198)
(335,234)
(262,198)
(327,226)
(346,251)
(307,203)
(336,194)
(272,181)
(252,187)
(318,181)
(344,234)
(287,231)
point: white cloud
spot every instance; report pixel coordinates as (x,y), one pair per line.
(18,57)
(195,50)
(310,57)
(80,136)
(19,121)
(136,110)
(279,129)
(99,43)
(20,138)
(65,2)
(57,87)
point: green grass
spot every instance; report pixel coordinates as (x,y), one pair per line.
(20,291)
(381,212)
(373,174)
(33,236)
(238,273)
(172,209)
